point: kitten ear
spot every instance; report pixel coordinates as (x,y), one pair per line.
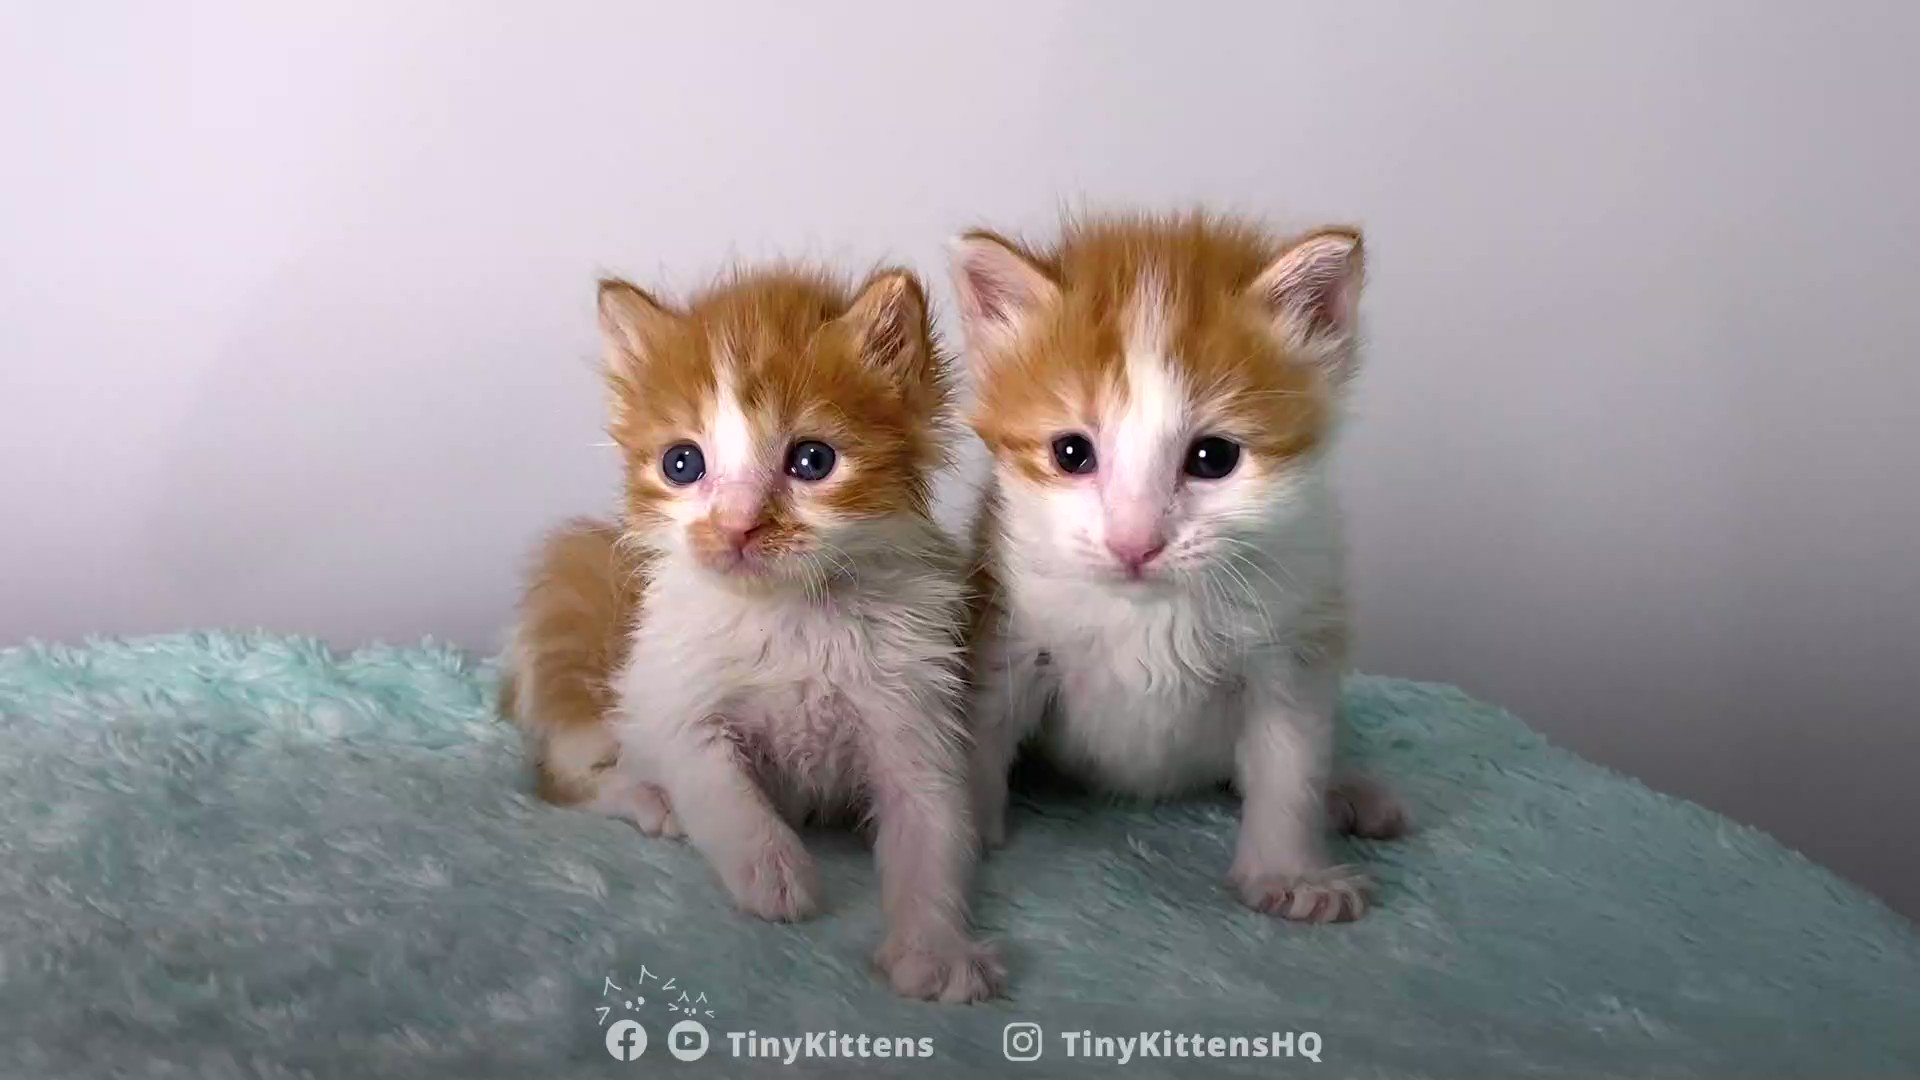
(631,323)
(1313,293)
(999,286)
(890,328)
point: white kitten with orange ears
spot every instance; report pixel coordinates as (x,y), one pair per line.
(774,630)
(1160,583)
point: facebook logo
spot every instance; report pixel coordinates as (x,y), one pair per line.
(626,1040)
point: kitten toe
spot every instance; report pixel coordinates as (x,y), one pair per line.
(993,834)
(645,806)
(1359,805)
(1333,894)
(777,882)
(652,813)
(947,969)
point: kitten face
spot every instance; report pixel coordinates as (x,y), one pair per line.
(1154,392)
(775,427)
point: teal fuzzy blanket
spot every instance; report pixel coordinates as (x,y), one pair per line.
(227,857)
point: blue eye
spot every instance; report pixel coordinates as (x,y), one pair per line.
(1074,454)
(810,460)
(682,464)
(1212,457)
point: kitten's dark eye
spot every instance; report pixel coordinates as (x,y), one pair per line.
(1212,457)
(1074,454)
(810,460)
(682,464)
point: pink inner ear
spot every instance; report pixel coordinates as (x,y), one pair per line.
(1317,285)
(995,284)
(990,293)
(1339,302)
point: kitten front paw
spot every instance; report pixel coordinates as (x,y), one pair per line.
(1331,894)
(652,813)
(777,882)
(946,968)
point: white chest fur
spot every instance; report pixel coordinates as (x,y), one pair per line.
(795,679)
(1144,692)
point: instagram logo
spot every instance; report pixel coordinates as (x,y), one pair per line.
(1021,1041)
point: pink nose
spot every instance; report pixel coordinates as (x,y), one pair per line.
(1135,552)
(737,538)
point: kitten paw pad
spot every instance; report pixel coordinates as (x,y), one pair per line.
(1335,894)
(777,883)
(951,970)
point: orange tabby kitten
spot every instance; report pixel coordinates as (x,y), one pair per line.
(1163,597)
(773,629)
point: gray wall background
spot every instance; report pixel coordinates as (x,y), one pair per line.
(296,326)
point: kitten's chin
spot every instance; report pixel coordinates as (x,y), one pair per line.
(744,566)
(753,572)
(1126,581)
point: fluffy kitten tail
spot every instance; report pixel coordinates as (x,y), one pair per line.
(572,637)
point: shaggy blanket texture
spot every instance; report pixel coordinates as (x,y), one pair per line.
(231,856)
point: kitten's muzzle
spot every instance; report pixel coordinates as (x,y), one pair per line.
(1135,536)
(731,547)
(736,539)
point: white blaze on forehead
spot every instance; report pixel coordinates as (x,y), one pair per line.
(732,453)
(1153,411)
